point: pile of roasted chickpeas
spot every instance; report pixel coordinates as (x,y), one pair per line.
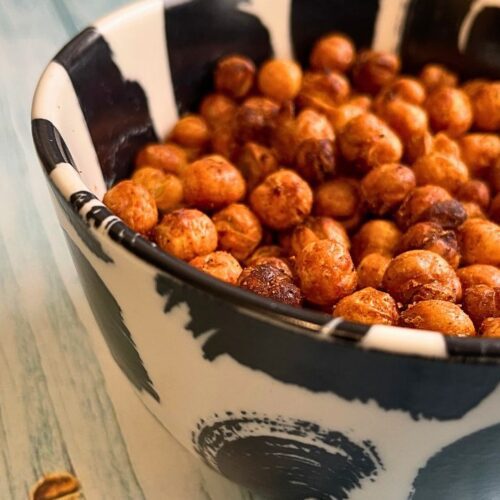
(348,188)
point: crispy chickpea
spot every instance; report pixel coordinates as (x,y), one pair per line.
(434,76)
(406,88)
(134,204)
(333,52)
(439,316)
(277,262)
(280,79)
(373,70)
(270,282)
(238,229)
(472,86)
(326,272)
(495,209)
(284,138)
(217,110)
(421,275)
(371,270)
(315,159)
(480,242)
(312,125)
(323,91)
(432,237)
(474,191)
(186,234)
(283,200)
(168,157)
(417,146)
(473,210)
(375,236)
(368,306)
(220,265)
(449,214)
(368,142)
(165,188)
(256,162)
(479,274)
(486,107)
(406,119)
(481,302)
(443,144)
(417,201)
(234,76)
(191,131)
(265,251)
(341,115)
(480,151)
(255,120)
(386,186)
(212,182)
(490,327)
(449,110)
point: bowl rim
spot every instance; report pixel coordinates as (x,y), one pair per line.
(392,340)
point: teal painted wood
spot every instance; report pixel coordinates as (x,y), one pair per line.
(56,411)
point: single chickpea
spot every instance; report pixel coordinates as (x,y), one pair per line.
(439,316)
(323,91)
(479,274)
(368,142)
(375,236)
(406,88)
(449,110)
(434,76)
(217,110)
(255,120)
(238,229)
(283,200)
(191,131)
(481,302)
(486,107)
(341,115)
(165,188)
(220,265)
(212,182)
(480,242)
(374,70)
(277,262)
(265,251)
(223,140)
(490,327)
(312,125)
(333,52)
(480,152)
(421,275)
(495,209)
(473,210)
(472,86)
(284,139)
(256,162)
(270,282)
(368,306)
(167,157)
(385,187)
(441,170)
(326,272)
(417,146)
(186,233)
(443,144)
(371,270)
(134,204)
(315,159)
(280,79)
(449,214)
(475,191)
(432,237)
(234,76)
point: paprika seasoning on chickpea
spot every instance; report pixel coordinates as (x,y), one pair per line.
(373,70)
(167,157)
(479,274)
(375,236)
(371,270)
(234,76)
(220,265)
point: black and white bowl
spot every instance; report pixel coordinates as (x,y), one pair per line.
(287,402)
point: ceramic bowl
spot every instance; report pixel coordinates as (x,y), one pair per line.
(287,402)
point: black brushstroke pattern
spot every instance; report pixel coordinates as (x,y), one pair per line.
(199,33)
(115,109)
(265,455)
(423,388)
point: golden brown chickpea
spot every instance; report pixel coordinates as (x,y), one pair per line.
(238,229)
(486,107)
(473,210)
(217,110)
(256,162)
(472,86)
(223,140)
(479,274)
(373,70)
(480,242)
(168,157)
(449,110)
(283,200)
(212,182)
(284,138)
(371,270)
(312,125)
(417,146)
(481,302)
(277,262)
(441,170)
(495,209)
(341,115)
(315,159)
(386,186)
(449,214)
(368,142)
(443,144)
(433,76)
(165,188)
(191,131)
(323,91)
(265,251)
(326,272)
(270,282)
(255,120)
(186,233)
(480,151)
(475,191)
(134,204)
(220,265)
(333,52)
(368,306)
(406,88)
(234,76)
(375,236)
(280,79)
(432,237)
(490,327)
(439,316)
(421,275)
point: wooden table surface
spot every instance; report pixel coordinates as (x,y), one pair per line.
(56,412)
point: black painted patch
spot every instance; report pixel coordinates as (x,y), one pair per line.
(284,458)
(466,469)
(110,320)
(199,33)
(115,109)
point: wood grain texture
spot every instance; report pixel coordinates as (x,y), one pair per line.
(56,411)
